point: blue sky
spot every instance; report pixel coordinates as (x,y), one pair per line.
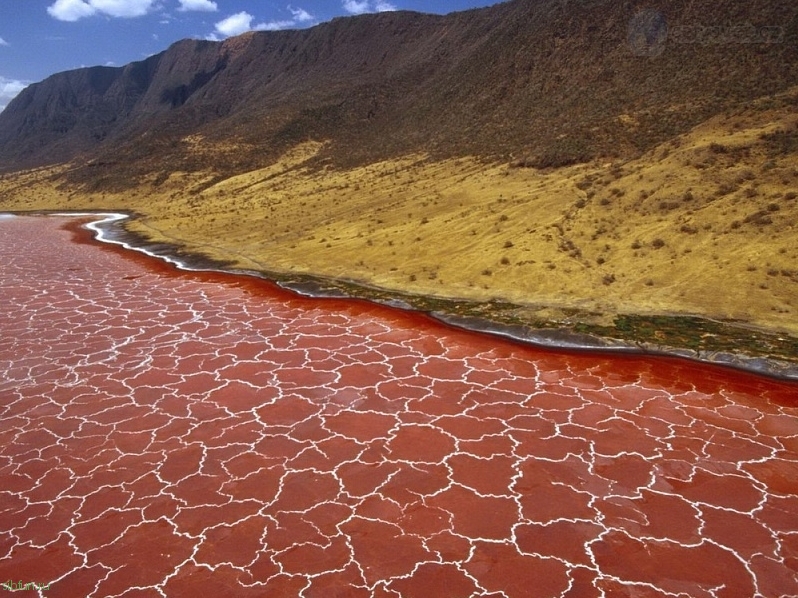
(42,37)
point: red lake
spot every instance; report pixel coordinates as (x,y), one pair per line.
(174,433)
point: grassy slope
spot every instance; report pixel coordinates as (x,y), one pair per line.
(705,224)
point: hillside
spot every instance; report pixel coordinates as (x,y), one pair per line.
(544,80)
(576,160)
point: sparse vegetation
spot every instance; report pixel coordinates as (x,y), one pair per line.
(651,221)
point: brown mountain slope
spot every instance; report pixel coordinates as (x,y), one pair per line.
(545,79)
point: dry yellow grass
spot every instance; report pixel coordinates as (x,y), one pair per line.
(706,224)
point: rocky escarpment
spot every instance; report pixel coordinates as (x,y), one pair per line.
(544,82)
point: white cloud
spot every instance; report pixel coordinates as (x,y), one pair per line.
(243,21)
(301,15)
(74,10)
(383,6)
(201,5)
(123,8)
(235,24)
(70,10)
(274,25)
(356,8)
(9,88)
(359,7)
(3,42)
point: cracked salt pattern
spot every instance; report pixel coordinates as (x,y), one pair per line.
(180,434)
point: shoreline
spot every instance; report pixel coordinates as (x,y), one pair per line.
(463,314)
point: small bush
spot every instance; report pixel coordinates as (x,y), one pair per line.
(718,148)
(761,218)
(725,189)
(781,143)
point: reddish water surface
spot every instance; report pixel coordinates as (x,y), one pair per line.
(166,433)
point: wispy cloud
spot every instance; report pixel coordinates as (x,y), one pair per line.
(301,15)
(200,5)
(359,7)
(243,21)
(9,88)
(74,10)
(3,42)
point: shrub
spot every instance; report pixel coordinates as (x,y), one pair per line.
(718,148)
(760,218)
(725,189)
(780,143)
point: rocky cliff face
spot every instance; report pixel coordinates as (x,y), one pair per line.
(540,81)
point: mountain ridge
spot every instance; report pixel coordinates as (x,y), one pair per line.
(543,81)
